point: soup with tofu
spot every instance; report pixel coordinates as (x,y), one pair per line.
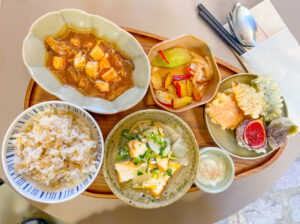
(89,64)
(149,156)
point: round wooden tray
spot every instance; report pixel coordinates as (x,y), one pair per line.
(194,118)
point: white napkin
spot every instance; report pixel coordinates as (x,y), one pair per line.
(279,55)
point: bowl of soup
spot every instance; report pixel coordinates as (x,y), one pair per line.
(184,73)
(151,159)
(86,60)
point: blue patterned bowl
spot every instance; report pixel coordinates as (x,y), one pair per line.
(27,187)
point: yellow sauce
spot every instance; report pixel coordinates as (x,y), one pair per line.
(212,169)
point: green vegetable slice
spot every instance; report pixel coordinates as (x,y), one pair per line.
(176,56)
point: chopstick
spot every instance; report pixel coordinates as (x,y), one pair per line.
(214,23)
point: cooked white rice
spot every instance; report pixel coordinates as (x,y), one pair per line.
(56,150)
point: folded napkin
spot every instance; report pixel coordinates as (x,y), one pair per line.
(277,55)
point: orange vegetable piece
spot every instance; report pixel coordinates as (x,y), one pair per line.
(171,90)
(197,95)
(167,80)
(181,88)
(181,102)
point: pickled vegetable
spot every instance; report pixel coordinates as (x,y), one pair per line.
(176,57)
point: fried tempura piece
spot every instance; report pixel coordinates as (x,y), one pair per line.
(248,99)
(223,110)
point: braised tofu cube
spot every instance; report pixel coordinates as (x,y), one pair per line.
(104,64)
(75,42)
(102,86)
(136,148)
(79,61)
(97,53)
(125,170)
(110,75)
(157,183)
(162,163)
(91,69)
(58,63)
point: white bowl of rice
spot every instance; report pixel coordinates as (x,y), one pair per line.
(52,152)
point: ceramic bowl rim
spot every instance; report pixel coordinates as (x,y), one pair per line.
(107,178)
(230,175)
(148,72)
(187,107)
(7,135)
(217,142)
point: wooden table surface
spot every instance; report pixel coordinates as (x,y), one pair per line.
(163,17)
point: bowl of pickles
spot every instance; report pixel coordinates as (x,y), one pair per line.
(184,73)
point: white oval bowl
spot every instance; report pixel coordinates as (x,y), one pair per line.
(34,53)
(29,188)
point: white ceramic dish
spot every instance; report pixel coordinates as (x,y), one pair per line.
(34,53)
(27,187)
(230,171)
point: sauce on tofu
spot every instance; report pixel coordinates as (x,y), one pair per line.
(89,64)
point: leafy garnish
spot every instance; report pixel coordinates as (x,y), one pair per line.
(129,183)
(139,173)
(90,79)
(169,172)
(123,153)
(137,161)
(158,130)
(144,130)
(149,154)
(147,166)
(125,134)
(152,123)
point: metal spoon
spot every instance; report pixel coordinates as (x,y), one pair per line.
(244,26)
(230,25)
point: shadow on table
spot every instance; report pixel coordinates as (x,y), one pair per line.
(180,214)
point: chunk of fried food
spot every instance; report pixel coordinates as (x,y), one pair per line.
(223,110)
(248,99)
(272,95)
